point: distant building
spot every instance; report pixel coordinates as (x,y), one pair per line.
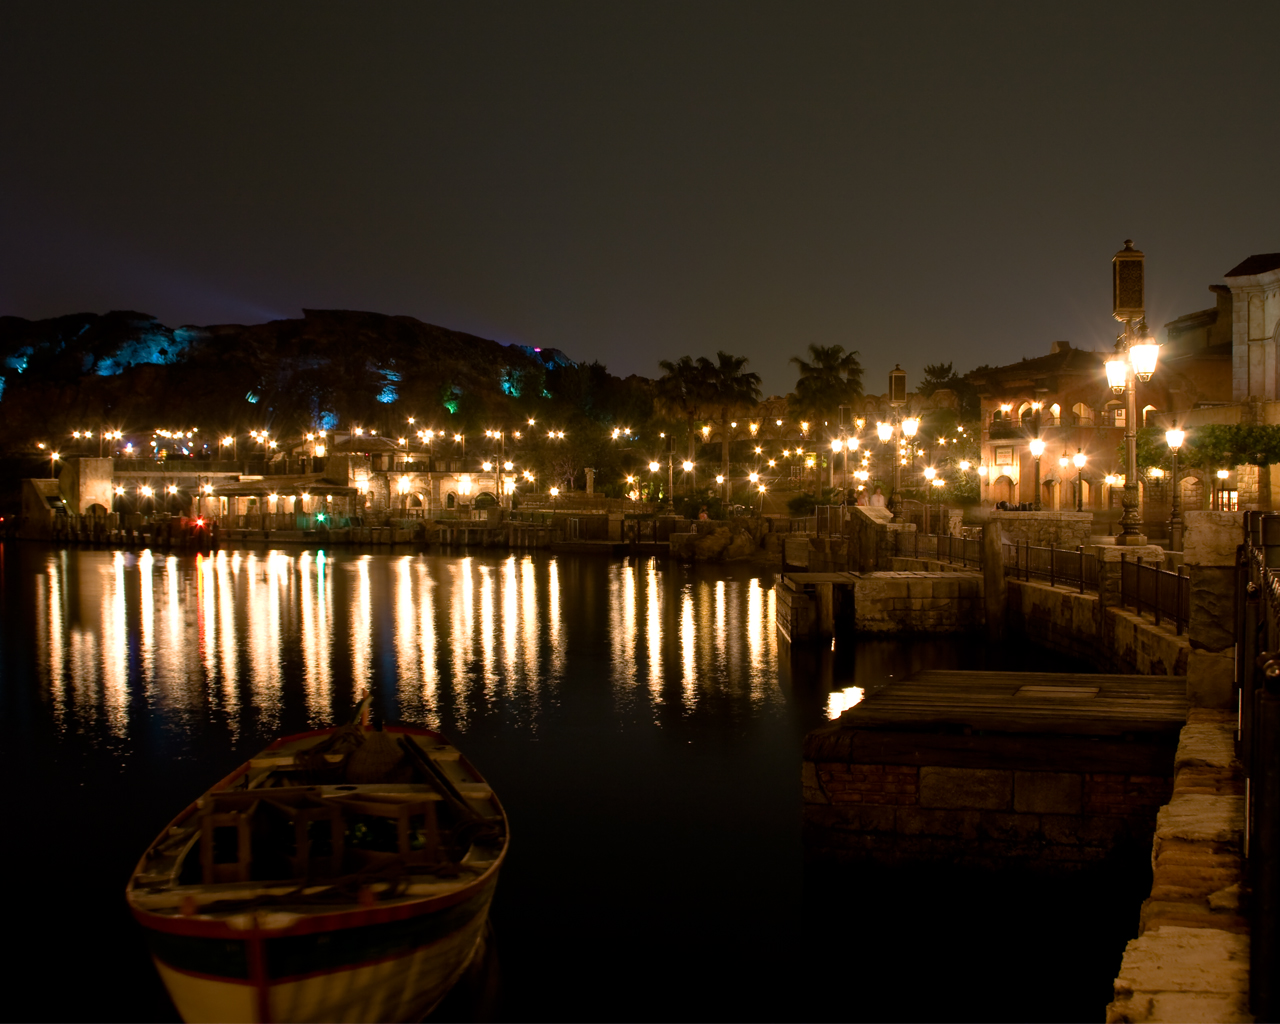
(1217,365)
(1064,399)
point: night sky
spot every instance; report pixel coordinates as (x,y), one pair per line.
(638,181)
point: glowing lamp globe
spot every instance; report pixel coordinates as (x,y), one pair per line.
(1143,357)
(1037,449)
(910,425)
(1116,374)
(884,431)
(1174,438)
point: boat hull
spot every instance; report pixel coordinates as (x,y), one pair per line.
(382,954)
(376,970)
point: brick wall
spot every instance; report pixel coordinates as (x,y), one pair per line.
(989,817)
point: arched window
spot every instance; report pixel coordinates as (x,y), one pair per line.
(1055,414)
(451,501)
(1083,414)
(1147,419)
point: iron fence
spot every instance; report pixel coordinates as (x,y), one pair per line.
(964,550)
(1068,566)
(1257,623)
(1148,588)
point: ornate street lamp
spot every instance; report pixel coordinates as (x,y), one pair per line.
(1037,449)
(1174,438)
(1136,356)
(1079,459)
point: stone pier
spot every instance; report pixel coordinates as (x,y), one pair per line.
(1190,960)
(1044,771)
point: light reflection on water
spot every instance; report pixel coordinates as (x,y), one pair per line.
(230,637)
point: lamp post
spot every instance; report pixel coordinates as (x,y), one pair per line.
(1135,360)
(1222,488)
(904,431)
(1174,438)
(1063,462)
(1037,449)
(670,506)
(1079,459)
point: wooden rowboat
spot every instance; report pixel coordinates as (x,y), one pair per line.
(341,875)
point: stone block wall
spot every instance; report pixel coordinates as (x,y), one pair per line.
(1112,639)
(1190,960)
(796,613)
(1040,529)
(984,817)
(1138,645)
(871,541)
(917,602)
(1058,618)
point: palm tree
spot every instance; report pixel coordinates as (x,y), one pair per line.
(682,390)
(833,378)
(729,388)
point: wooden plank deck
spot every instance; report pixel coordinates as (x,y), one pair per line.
(1045,720)
(801,579)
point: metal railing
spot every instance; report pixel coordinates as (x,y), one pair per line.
(1167,595)
(964,550)
(1068,566)
(1258,679)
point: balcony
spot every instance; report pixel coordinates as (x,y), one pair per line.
(1006,430)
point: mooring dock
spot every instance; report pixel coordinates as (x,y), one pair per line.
(1046,770)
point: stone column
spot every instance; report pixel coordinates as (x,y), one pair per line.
(993,583)
(1209,548)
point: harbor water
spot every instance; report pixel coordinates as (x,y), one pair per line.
(640,720)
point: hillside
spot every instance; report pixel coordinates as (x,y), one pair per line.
(126,370)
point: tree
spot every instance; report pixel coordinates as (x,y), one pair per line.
(833,378)
(1216,446)
(682,390)
(729,387)
(941,375)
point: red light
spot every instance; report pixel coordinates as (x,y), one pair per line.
(200,521)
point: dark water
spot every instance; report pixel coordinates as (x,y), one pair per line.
(641,723)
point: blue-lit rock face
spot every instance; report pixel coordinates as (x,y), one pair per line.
(390,392)
(324,369)
(151,344)
(512,382)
